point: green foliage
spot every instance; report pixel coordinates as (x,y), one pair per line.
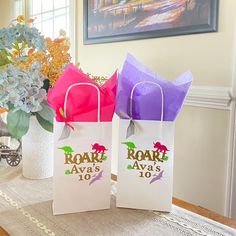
(46,113)
(4,58)
(44,123)
(18,123)
(46,85)
(104,158)
(45,117)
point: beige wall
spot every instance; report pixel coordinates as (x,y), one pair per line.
(201,139)
(6,12)
(208,56)
(201,153)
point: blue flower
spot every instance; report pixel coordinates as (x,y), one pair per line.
(22,89)
(21,33)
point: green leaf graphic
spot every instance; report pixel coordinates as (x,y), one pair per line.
(67,172)
(165,158)
(104,158)
(129,167)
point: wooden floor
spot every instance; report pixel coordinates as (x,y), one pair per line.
(199,210)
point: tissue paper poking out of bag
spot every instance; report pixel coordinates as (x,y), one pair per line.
(146,102)
(82,101)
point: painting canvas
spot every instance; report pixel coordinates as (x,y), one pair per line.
(116,20)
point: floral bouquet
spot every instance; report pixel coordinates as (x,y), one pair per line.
(29,65)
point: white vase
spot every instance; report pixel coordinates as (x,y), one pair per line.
(37,152)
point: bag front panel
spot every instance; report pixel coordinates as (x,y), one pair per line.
(145,165)
(82,167)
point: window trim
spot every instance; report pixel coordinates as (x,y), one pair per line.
(72,25)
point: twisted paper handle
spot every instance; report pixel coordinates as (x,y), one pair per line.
(131,128)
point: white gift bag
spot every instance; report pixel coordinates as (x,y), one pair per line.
(82,164)
(145,162)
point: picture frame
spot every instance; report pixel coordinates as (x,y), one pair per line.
(119,20)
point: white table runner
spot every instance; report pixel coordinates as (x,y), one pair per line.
(26,210)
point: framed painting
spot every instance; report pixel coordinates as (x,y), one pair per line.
(119,20)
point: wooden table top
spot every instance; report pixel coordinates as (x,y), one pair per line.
(205,212)
(200,211)
(3,232)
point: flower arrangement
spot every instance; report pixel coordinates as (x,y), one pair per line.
(29,65)
(53,61)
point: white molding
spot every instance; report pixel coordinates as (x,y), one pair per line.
(209,97)
(222,98)
(73,13)
(230,202)
(231,167)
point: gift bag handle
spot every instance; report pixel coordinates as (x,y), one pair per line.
(147,82)
(98,97)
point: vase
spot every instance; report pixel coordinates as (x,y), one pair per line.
(37,152)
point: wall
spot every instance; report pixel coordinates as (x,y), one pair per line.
(201,153)
(6,10)
(209,56)
(201,138)
(232,201)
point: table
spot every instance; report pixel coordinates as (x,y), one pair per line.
(26,210)
(199,210)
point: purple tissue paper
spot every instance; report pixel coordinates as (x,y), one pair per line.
(146,101)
